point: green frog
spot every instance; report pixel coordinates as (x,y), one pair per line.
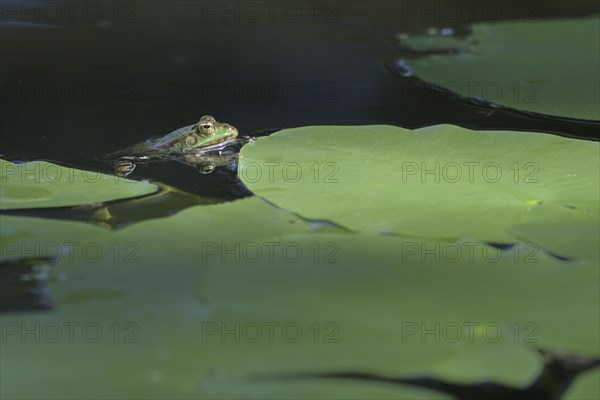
(202,144)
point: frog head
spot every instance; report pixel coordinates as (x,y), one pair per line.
(207,132)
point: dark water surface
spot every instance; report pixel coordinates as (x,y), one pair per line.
(92,77)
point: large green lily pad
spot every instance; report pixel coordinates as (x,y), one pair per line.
(179,313)
(548,67)
(41,184)
(443,182)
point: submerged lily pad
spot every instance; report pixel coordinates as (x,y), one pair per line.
(41,184)
(548,67)
(442,182)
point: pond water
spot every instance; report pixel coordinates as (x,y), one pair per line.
(87,79)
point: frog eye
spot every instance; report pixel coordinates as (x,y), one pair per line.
(205,129)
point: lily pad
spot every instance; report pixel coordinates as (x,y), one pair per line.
(40,238)
(495,63)
(183,309)
(443,182)
(315,389)
(585,387)
(393,311)
(568,236)
(41,184)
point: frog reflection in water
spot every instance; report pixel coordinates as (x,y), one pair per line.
(206,145)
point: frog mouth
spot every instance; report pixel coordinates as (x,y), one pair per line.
(216,145)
